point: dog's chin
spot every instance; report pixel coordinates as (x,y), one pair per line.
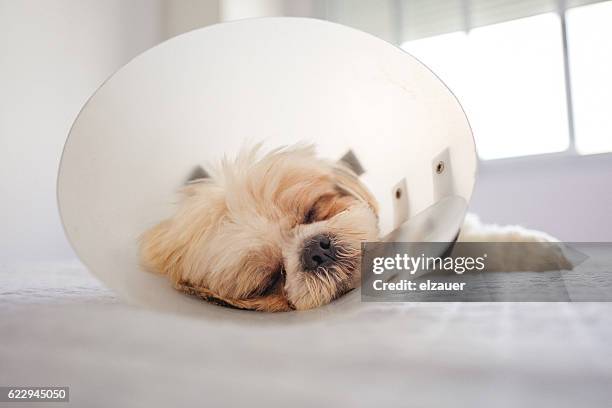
(311,289)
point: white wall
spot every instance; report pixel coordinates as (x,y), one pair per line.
(185,15)
(53,55)
(568,197)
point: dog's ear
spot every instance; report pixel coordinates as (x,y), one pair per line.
(198,175)
(351,161)
(269,303)
(348,182)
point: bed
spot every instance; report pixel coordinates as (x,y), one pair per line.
(59,326)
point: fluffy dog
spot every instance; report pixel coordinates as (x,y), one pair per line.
(274,233)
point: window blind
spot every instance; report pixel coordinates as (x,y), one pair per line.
(403,20)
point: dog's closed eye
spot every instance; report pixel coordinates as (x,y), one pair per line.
(325,207)
(310,216)
(319,210)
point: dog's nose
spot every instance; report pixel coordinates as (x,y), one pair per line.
(318,252)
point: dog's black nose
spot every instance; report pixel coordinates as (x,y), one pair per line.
(318,252)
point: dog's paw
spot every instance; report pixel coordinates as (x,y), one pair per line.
(514,248)
(541,254)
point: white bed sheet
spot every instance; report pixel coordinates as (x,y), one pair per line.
(58,326)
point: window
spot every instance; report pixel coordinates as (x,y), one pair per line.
(589,31)
(509,78)
(534,76)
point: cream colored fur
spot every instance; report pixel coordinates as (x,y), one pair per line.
(243,230)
